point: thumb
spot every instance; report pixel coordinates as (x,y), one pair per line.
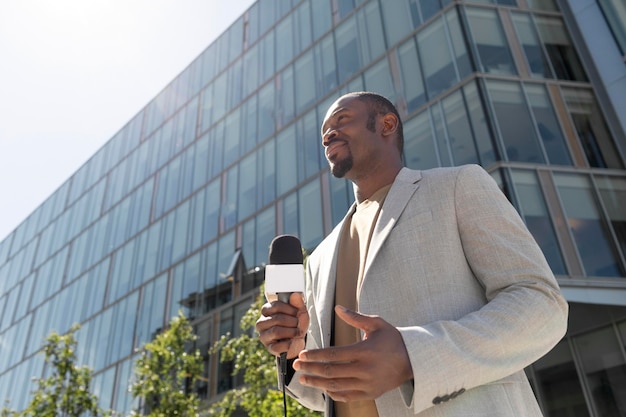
(360,321)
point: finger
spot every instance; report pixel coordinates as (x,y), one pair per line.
(331,370)
(360,321)
(278,307)
(297,300)
(335,385)
(339,354)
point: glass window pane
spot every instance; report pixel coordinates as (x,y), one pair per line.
(309,144)
(422,10)
(514,122)
(268,154)
(310,211)
(532,208)
(397,20)
(412,81)
(251,70)
(349,60)
(266,54)
(232,137)
(286,169)
(562,54)
(267,111)
(441,136)
(615,14)
(325,65)
(557,381)
(285,103)
(589,229)
(249,124)
(265,232)
(439,69)
(378,79)
(460,138)
(305,81)
(493,51)
(284,42)
(482,133)
(247,186)
(229,205)
(457,39)
(542,5)
(290,215)
(547,125)
(302,23)
(211,211)
(603,364)
(536,59)
(613,194)
(322,20)
(592,131)
(419,144)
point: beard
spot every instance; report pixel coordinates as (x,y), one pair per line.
(341,167)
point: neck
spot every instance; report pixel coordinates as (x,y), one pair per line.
(365,187)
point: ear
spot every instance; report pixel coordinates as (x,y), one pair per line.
(389,124)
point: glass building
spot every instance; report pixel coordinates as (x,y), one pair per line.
(177,210)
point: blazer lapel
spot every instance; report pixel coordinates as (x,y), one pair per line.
(327,281)
(403,188)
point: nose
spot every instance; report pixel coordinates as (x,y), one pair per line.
(328,136)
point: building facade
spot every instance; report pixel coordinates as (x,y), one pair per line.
(177,210)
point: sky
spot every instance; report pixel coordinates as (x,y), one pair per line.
(74,72)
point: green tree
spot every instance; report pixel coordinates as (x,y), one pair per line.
(165,372)
(66,391)
(259,395)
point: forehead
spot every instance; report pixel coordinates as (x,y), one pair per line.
(346,102)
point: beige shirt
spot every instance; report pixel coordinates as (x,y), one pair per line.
(352,255)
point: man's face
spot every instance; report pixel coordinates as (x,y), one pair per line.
(346,137)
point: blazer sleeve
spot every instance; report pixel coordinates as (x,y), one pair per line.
(523,317)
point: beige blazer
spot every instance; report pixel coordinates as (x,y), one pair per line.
(454,268)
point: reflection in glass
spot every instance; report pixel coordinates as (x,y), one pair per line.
(535,57)
(440,71)
(310,213)
(532,207)
(412,81)
(613,194)
(378,79)
(591,128)
(459,132)
(397,20)
(604,366)
(560,50)
(588,227)
(615,14)
(547,125)
(514,122)
(493,51)
(419,144)
(557,381)
(482,133)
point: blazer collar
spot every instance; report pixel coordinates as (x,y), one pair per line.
(401,191)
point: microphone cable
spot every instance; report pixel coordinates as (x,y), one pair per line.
(283,372)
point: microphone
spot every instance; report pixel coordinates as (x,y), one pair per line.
(284,275)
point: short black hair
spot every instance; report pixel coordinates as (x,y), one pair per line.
(380,105)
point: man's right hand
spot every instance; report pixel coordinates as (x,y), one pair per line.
(282,327)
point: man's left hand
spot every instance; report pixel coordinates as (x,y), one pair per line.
(362,371)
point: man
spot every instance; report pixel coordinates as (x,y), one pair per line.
(454,297)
